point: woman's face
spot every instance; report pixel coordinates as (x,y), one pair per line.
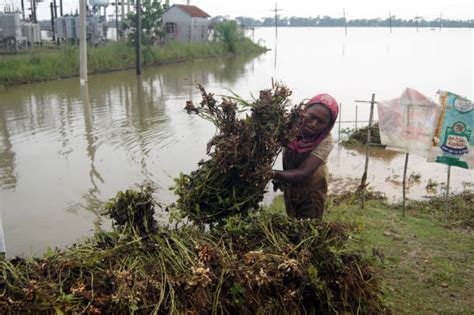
(316,119)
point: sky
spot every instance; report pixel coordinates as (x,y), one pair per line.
(429,9)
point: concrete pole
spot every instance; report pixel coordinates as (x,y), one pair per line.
(82,42)
(122,9)
(138,46)
(23,9)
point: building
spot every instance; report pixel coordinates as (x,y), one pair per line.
(186,23)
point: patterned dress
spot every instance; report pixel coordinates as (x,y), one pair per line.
(306,199)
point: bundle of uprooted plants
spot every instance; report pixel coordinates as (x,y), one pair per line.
(233,180)
(261,264)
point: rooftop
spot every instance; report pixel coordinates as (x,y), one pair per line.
(192,10)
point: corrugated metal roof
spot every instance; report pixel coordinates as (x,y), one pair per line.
(192,10)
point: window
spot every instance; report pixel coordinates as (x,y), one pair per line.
(170,28)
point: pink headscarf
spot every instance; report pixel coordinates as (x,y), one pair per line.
(304,145)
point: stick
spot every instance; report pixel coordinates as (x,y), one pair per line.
(3,250)
(404,183)
(362,187)
(357,109)
(340,118)
(446,209)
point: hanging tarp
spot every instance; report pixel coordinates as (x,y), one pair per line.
(407,123)
(453,141)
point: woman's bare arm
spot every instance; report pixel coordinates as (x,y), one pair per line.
(303,172)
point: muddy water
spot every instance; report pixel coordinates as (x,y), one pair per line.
(64,150)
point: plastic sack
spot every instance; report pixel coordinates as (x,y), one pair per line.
(453,141)
(407,123)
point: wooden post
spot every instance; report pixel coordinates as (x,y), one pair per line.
(357,109)
(3,250)
(340,118)
(361,190)
(139,38)
(82,42)
(446,209)
(404,183)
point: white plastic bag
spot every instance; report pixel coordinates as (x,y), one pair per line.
(407,123)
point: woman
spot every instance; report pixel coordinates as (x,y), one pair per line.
(304,160)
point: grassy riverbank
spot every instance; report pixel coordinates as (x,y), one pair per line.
(63,62)
(426,263)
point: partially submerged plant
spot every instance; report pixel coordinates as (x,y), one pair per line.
(359,136)
(233,180)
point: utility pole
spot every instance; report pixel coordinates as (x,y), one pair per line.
(139,38)
(276,18)
(440,19)
(33,11)
(82,42)
(122,8)
(345,21)
(55,17)
(52,21)
(116,21)
(61,7)
(417,19)
(23,9)
(390,20)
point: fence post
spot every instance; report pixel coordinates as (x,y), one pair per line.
(363,183)
(446,209)
(404,183)
(357,109)
(340,118)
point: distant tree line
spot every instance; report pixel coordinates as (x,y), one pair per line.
(326,21)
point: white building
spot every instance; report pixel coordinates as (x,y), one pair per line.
(186,23)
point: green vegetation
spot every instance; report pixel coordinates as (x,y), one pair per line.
(359,136)
(426,264)
(64,62)
(230,33)
(151,21)
(264,264)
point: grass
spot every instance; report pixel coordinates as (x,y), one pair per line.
(427,265)
(52,64)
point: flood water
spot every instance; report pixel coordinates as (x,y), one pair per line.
(64,150)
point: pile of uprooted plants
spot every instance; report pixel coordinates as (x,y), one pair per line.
(248,262)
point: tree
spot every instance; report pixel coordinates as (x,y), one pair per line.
(229,32)
(151,20)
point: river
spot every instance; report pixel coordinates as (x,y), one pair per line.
(64,150)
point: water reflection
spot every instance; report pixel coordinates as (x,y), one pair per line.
(7,155)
